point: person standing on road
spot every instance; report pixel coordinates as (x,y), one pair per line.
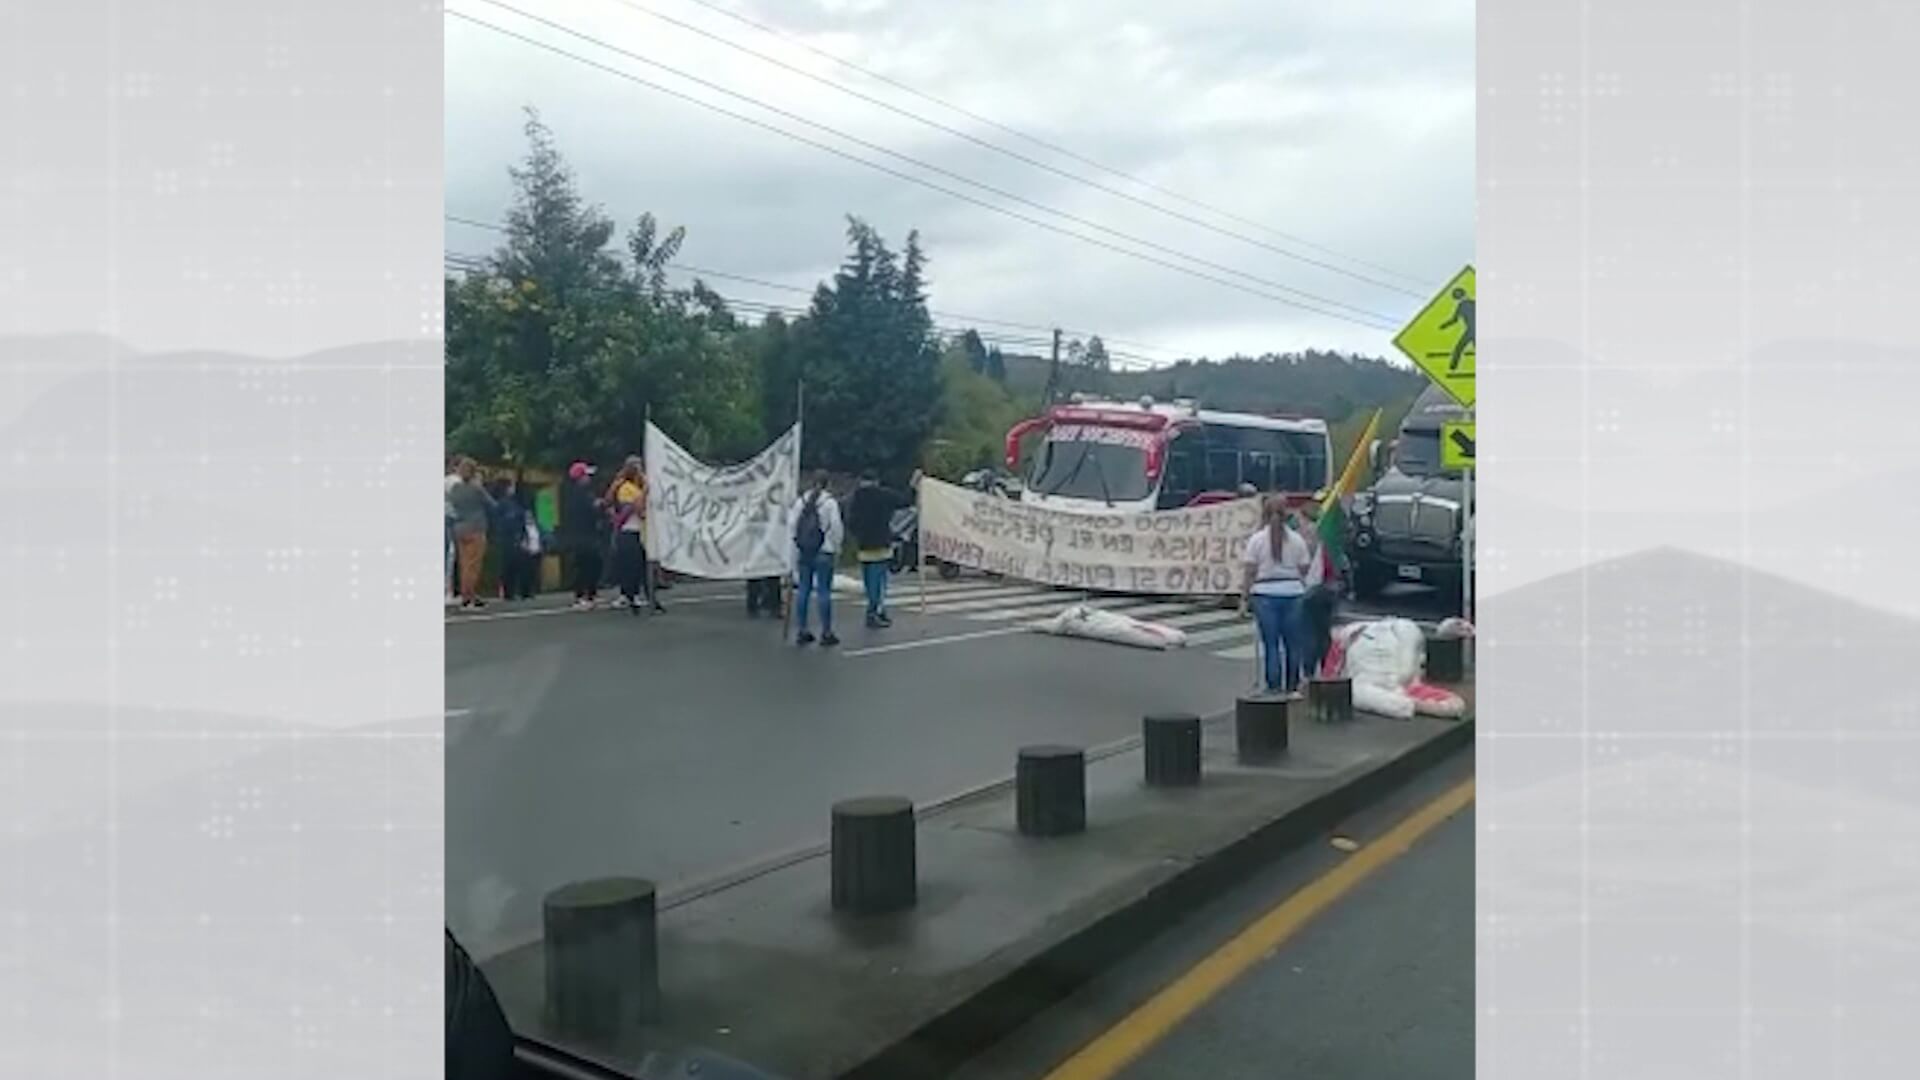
(870,522)
(579,534)
(817,533)
(628,496)
(451,574)
(1314,616)
(1276,565)
(472,513)
(519,562)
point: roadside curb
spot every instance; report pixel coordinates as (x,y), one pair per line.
(1075,955)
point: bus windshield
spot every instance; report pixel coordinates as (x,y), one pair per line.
(1091,468)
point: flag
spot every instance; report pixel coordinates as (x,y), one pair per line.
(1333,510)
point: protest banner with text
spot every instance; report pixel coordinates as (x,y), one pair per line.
(1193,551)
(727,522)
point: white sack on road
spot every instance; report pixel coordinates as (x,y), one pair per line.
(1387,659)
(1087,622)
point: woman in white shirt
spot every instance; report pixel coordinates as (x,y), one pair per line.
(1277,562)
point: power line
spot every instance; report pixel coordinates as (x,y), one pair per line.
(1384,322)
(470,263)
(936,169)
(1002,150)
(728,275)
(1048,145)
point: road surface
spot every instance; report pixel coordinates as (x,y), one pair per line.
(1378,983)
(692,745)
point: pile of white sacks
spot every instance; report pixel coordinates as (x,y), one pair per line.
(1387,660)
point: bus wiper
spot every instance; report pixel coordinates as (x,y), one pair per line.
(1100,471)
(1085,449)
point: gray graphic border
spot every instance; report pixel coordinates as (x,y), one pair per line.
(1699,759)
(221,674)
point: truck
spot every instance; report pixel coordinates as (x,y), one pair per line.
(1410,524)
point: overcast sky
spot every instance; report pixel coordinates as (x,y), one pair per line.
(1348,123)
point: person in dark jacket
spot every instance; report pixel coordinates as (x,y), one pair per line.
(582,533)
(479,1041)
(870,523)
(510,519)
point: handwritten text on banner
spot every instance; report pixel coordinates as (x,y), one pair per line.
(1172,552)
(722,521)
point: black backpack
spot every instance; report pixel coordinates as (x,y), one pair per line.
(807,532)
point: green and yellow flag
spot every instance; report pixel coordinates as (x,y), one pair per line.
(1333,511)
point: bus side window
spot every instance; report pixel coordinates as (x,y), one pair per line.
(1258,470)
(1304,466)
(1223,470)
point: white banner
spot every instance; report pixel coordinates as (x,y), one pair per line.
(727,522)
(1173,552)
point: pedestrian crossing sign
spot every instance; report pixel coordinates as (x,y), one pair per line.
(1439,340)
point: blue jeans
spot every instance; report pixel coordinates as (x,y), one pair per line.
(1279,640)
(873,575)
(807,578)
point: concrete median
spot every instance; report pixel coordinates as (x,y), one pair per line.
(759,968)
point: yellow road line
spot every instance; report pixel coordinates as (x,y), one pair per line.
(1121,1044)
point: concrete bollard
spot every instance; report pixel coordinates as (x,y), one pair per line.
(1446,660)
(875,866)
(1172,744)
(602,957)
(1260,726)
(1050,790)
(1330,701)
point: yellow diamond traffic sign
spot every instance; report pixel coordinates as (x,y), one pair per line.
(1456,444)
(1439,340)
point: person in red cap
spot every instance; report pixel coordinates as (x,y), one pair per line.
(580,533)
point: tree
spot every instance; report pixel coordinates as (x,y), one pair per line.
(975,351)
(975,416)
(556,351)
(868,360)
(1095,358)
(996,365)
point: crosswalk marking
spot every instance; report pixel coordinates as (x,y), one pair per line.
(999,598)
(1220,631)
(1026,606)
(1056,606)
(1243,628)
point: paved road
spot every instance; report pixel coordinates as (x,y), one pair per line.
(685,746)
(1379,985)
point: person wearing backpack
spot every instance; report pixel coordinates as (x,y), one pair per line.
(817,532)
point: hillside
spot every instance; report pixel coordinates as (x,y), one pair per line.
(1339,389)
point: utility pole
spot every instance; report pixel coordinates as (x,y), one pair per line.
(1053,372)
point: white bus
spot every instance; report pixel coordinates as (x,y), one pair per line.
(1144,455)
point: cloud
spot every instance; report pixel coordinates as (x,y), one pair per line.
(1350,125)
